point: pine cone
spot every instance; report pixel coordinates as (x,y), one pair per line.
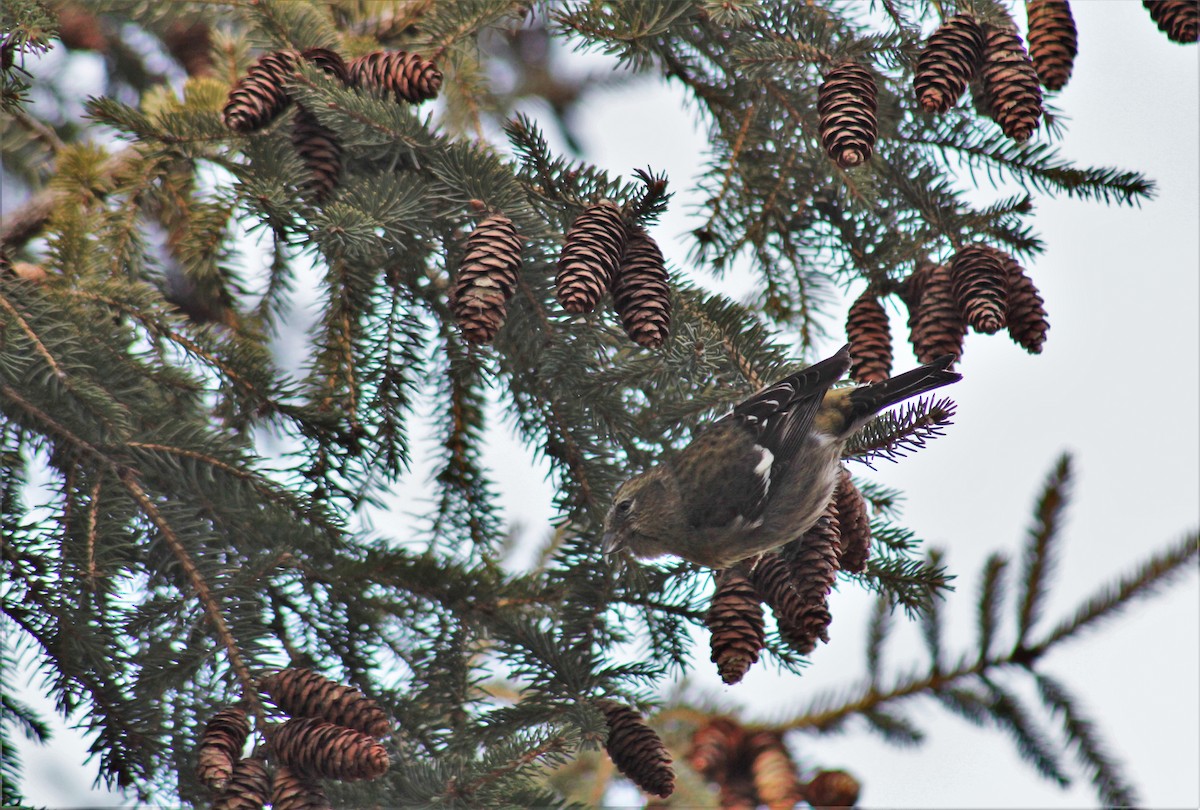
(291,791)
(813,564)
(590,256)
(854,544)
(1027,319)
(329,61)
(775,778)
(637,751)
(1053,41)
(318,147)
(846,103)
(1178,19)
(304,693)
(487,278)
(832,789)
(912,289)
(715,748)
(951,57)
(261,95)
(940,327)
(641,294)
(221,746)
(407,76)
(735,621)
(248,788)
(980,281)
(870,339)
(1011,84)
(319,750)
(772,578)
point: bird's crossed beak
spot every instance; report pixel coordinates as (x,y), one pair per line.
(611,543)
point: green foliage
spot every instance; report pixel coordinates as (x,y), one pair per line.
(186,474)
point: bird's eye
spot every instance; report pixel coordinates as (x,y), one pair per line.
(624,506)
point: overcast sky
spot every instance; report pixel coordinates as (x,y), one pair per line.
(1118,385)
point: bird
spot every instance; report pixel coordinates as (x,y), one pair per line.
(760,476)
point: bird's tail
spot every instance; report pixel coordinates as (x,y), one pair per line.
(868,400)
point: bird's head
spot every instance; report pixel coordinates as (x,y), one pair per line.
(642,515)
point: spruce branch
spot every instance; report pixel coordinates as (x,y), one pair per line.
(899,432)
(991,601)
(1040,547)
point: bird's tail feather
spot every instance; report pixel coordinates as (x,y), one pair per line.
(869,400)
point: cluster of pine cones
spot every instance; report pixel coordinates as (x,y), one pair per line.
(983,288)
(332,733)
(795,581)
(752,768)
(261,95)
(601,253)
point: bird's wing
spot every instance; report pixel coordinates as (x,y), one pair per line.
(725,474)
(781,415)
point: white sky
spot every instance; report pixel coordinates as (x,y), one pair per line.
(1118,385)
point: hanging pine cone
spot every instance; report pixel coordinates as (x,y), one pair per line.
(487,278)
(715,747)
(1178,19)
(854,524)
(951,57)
(641,294)
(940,327)
(248,788)
(1011,84)
(637,751)
(870,339)
(318,147)
(261,95)
(813,563)
(590,257)
(319,750)
(304,693)
(406,76)
(772,579)
(290,791)
(735,622)
(1053,41)
(912,289)
(221,746)
(980,281)
(846,103)
(1027,319)
(832,789)
(775,779)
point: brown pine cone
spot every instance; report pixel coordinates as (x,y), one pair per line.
(261,95)
(854,523)
(641,293)
(291,791)
(319,750)
(303,693)
(487,278)
(1010,83)
(1053,41)
(940,327)
(813,564)
(912,289)
(980,281)
(637,751)
(772,578)
(320,151)
(775,778)
(846,104)
(715,748)
(951,57)
(1178,19)
(221,746)
(735,622)
(590,257)
(832,789)
(870,339)
(1027,319)
(248,788)
(406,76)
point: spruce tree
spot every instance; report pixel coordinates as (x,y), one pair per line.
(209,523)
